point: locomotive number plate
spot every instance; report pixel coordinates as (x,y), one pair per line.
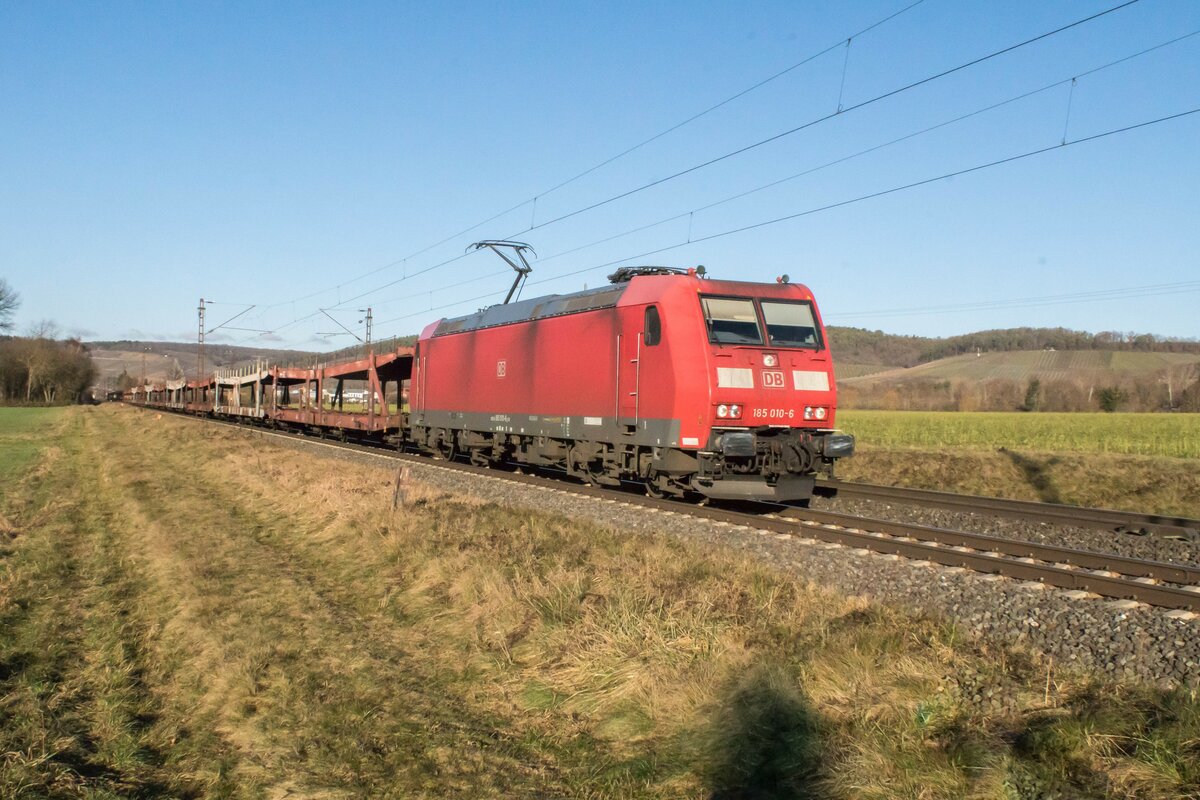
(773,379)
(773,413)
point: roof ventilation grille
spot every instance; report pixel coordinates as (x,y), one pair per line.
(624,274)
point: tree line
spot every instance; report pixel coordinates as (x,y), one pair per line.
(861,346)
(1174,390)
(40,368)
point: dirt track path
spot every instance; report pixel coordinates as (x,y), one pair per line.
(195,616)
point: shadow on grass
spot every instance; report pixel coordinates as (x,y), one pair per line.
(764,742)
(1037,474)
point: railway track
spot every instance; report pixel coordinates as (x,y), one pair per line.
(1100,518)
(1090,573)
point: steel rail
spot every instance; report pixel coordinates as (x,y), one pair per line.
(893,538)
(1015,548)
(1103,518)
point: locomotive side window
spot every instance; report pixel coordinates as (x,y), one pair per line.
(653,327)
(790,324)
(731,320)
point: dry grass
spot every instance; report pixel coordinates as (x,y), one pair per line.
(201,613)
(1150,485)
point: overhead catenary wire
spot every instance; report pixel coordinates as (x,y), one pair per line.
(611,159)
(689,214)
(730,99)
(762,142)
(231,319)
(903,187)
(992,107)
(817,121)
(839,204)
(862,104)
(340,325)
(845,68)
(643,143)
(407,276)
(1150,290)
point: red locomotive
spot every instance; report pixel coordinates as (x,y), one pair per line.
(688,385)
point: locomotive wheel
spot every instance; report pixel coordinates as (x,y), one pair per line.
(654,490)
(594,476)
(446,449)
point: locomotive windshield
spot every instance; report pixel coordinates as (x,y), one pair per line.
(790,324)
(731,320)
(735,320)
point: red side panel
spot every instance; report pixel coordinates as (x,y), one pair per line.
(559,366)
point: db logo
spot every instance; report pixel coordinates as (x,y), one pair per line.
(501,368)
(772,379)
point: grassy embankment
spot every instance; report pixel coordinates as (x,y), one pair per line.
(1141,462)
(189,611)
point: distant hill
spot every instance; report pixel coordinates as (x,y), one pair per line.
(1030,380)
(1095,367)
(161,360)
(858,347)
(1016,368)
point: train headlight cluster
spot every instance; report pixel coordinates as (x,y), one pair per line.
(770,360)
(815,412)
(729,411)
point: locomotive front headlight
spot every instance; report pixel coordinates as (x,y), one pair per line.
(820,412)
(735,411)
(808,412)
(770,360)
(722,411)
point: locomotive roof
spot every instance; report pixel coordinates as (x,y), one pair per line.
(536,308)
(555,305)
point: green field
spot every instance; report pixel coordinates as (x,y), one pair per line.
(23,433)
(1170,435)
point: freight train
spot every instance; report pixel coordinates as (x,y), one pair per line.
(688,385)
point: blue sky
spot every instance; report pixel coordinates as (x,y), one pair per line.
(276,153)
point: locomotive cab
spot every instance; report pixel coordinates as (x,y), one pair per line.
(773,395)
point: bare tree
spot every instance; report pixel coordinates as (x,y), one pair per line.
(43,329)
(9,302)
(35,356)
